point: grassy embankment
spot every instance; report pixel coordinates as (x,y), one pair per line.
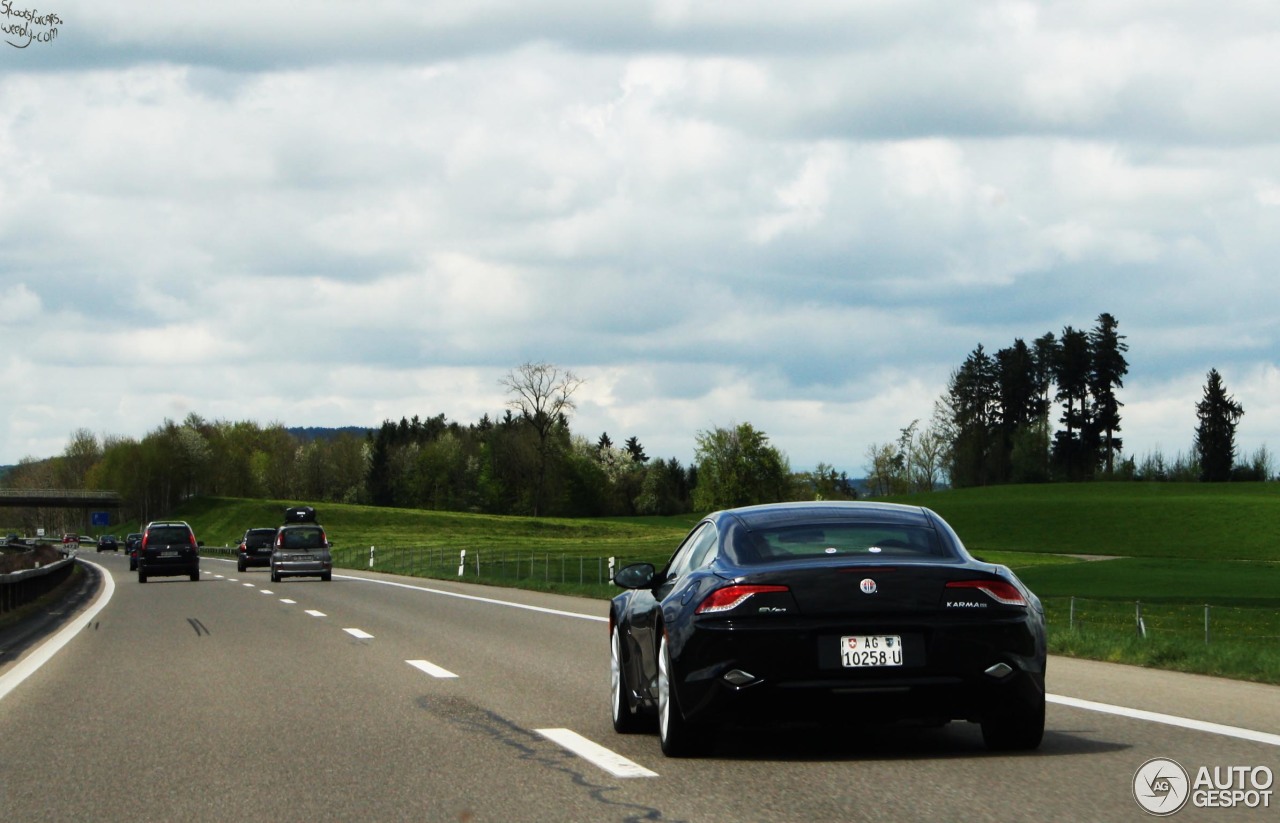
(1177,548)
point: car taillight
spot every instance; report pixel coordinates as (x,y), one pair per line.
(731,597)
(998,590)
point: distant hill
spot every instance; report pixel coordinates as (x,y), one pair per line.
(308,433)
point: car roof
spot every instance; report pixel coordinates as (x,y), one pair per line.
(824,511)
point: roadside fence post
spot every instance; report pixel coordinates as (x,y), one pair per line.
(611,564)
(1071,618)
(1142,629)
(371,557)
(462,562)
(477,564)
(1206,624)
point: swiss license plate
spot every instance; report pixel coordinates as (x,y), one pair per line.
(868,650)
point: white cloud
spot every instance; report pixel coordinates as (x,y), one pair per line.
(801,216)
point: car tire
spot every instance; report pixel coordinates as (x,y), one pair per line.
(678,737)
(625,721)
(327,577)
(240,566)
(195,576)
(142,576)
(1020,728)
(275,578)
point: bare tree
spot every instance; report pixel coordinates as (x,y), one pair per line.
(543,395)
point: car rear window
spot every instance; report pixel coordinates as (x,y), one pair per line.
(258,538)
(303,539)
(168,535)
(866,540)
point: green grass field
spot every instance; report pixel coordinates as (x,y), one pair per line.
(1222,521)
(1176,549)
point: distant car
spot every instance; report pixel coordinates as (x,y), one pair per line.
(108,543)
(70,539)
(841,614)
(255,548)
(132,542)
(168,548)
(301,547)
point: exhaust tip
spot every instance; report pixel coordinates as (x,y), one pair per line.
(739,678)
(1000,670)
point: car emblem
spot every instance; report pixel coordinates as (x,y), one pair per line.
(868,586)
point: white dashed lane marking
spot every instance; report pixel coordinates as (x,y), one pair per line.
(612,762)
(359,634)
(315,613)
(430,668)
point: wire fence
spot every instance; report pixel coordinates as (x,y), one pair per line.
(1205,623)
(488,565)
(1202,622)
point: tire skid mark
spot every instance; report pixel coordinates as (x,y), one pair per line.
(535,748)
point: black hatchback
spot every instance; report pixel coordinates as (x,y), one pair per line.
(255,548)
(168,548)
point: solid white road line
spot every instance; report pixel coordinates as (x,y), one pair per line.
(32,662)
(477,599)
(430,668)
(1167,719)
(612,762)
(359,634)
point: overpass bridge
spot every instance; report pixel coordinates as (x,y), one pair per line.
(60,499)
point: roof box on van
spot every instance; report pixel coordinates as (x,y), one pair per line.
(300,514)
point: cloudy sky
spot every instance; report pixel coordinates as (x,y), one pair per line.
(802,215)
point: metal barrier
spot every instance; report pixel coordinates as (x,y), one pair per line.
(21,587)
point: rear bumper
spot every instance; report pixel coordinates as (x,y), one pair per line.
(168,566)
(302,569)
(735,675)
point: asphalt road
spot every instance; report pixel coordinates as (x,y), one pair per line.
(237,699)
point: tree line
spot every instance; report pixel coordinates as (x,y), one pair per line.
(526,461)
(995,422)
(991,425)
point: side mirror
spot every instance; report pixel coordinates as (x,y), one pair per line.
(635,576)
